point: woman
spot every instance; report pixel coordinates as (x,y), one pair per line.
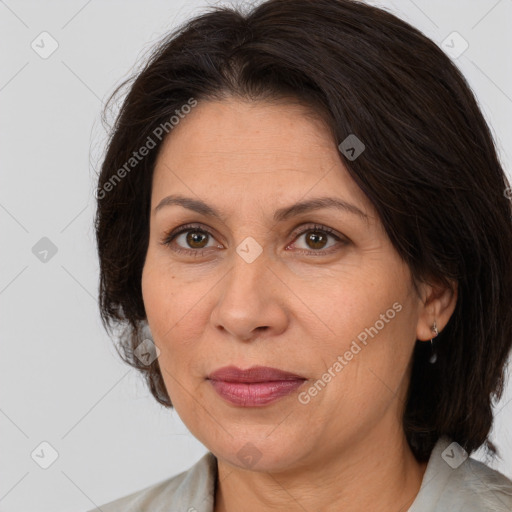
(303,227)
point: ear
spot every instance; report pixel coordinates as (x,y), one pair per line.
(437,303)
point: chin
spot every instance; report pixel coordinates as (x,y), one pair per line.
(258,453)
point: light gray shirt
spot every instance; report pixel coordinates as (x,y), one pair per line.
(452,483)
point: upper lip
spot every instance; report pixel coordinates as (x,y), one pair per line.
(254,374)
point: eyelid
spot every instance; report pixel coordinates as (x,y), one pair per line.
(303,229)
(171,235)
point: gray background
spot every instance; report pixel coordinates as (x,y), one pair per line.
(61,379)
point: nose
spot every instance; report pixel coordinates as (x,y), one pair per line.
(251,300)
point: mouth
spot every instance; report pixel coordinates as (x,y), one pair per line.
(254,387)
(253,375)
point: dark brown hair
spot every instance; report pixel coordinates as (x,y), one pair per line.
(429,167)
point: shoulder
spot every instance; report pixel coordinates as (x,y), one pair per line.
(190,491)
(459,483)
(487,489)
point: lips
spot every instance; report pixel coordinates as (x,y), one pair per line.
(258,386)
(252,375)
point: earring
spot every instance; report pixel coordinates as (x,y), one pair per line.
(433,357)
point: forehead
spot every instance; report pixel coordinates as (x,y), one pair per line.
(240,151)
(232,129)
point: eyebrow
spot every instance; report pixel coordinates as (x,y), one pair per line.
(280,215)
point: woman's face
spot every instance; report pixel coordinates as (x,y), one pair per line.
(337,309)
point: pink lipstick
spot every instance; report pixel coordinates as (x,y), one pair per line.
(254,387)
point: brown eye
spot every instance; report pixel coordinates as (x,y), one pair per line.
(316,238)
(196,239)
(190,240)
(193,240)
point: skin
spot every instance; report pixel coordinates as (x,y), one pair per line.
(345,449)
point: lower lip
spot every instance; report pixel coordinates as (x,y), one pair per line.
(255,394)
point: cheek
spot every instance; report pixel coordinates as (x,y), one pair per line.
(156,296)
(352,307)
(175,315)
(172,291)
(372,334)
(166,298)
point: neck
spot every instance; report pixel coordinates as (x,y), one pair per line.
(367,475)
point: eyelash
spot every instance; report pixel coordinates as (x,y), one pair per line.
(171,235)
